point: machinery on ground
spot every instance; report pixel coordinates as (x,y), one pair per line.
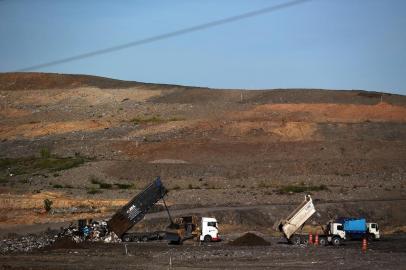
(333,233)
(357,228)
(184,228)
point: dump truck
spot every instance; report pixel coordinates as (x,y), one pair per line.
(291,225)
(202,229)
(184,228)
(358,228)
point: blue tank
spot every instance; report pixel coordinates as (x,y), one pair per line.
(354,227)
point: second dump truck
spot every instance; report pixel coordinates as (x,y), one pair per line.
(290,226)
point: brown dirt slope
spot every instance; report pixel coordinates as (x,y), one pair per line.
(211,147)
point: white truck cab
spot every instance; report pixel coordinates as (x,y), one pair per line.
(373,229)
(209,230)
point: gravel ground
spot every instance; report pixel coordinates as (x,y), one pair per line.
(389,253)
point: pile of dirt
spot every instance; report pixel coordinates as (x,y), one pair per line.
(249,239)
(64,243)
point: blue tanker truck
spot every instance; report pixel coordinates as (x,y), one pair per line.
(357,228)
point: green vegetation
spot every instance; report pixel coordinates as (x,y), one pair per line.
(48,205)
(105,185)
(153,119)
(45,153)
(3,180)
(146,120)
(300,188)
(96,181)
(124,186)
(57,186)
(35,165)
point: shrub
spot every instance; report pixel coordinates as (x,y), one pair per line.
(57,186)
(48,205)
(94,180)
(124,186)
(44,153)
(105,185)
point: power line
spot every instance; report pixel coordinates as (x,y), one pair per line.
(167,35)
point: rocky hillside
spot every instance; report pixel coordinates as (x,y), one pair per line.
(86,137)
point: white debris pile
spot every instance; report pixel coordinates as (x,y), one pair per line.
(95,232)
(27,243)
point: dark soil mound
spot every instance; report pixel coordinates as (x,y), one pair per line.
(64,243)
(249,239)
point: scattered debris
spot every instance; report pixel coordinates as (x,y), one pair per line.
(66,238)
(249,239)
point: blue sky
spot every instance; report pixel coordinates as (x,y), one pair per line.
(333,44)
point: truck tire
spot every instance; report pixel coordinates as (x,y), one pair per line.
(207,238)
(126,238)
(371,237)
(304,239)
(323,241)
(295,240)
(144,238)
(336,241)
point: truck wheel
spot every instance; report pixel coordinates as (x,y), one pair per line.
(322,241)
(295,240)
(144,238)
(336,241)
(207,238)
(371,237)
(304,240)
(126,239)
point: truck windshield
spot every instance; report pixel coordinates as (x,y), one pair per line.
(212,224)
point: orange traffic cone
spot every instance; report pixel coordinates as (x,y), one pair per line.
(364,245)
(310,239)
(316,240)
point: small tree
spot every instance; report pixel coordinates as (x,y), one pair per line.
(45,153)
(48,205)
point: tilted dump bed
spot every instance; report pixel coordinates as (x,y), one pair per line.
(297,218)
(135,210)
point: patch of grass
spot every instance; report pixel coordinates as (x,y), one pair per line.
(105,185)
(58,164)
(153,119)
(94,180)
(146,120)
(300,188)
(57,186)
(124,186)
(45,153)
(35,165)
(68,186)
(94,191)
(56,174)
